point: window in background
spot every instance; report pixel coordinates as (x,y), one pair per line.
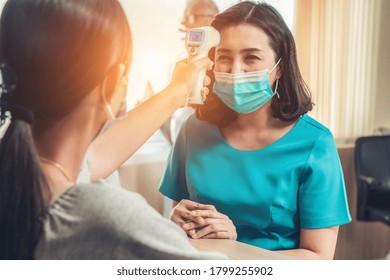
(338,43)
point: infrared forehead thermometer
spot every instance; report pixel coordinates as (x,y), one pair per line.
(199,41)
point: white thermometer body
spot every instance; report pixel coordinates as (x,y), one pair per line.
(199,41)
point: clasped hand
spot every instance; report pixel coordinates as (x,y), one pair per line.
(202,221)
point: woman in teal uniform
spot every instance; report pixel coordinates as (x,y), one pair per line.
(252,165)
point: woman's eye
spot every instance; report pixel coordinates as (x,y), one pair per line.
(223,58)
(252,58)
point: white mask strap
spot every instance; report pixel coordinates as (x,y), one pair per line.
(276,89)
(106,103)
(275,65)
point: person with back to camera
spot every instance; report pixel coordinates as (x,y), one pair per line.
(118,142)
(67,61)
(252,165)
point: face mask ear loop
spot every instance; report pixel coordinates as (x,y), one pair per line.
(276,89)
(277,81)
(275,65)
(106,104)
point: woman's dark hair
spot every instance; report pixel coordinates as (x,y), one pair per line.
(56,52)
(295,97)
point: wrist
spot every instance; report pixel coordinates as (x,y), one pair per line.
(173,97)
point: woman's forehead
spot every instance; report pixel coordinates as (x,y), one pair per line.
(243,36)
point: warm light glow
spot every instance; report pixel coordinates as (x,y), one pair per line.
(154,65)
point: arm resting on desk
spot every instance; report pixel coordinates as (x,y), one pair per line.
(315,244)
(236,250)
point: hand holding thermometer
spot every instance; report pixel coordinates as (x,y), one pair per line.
(199,41)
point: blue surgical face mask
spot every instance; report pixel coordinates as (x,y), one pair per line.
(244,92)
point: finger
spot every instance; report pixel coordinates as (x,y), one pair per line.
(198,220)
(179,215)
(203,63)
(219,235)
(204,93)
(206,214)
(206,81)
(208,230)
(189,226)
(192,205)
(191,232)
(181,211)
(178,220)
(205,222)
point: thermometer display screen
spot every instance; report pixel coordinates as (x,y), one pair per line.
(196,36)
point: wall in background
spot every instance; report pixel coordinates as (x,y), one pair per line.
(382,105)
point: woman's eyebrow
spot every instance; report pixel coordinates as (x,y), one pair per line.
(250,50)
(223,50)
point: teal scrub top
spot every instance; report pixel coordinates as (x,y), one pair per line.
(269,194)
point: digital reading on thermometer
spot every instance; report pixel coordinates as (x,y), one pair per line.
(199,41)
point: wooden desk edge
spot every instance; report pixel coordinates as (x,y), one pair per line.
(236,250)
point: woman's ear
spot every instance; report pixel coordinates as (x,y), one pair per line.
(112,81)
(278,73)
